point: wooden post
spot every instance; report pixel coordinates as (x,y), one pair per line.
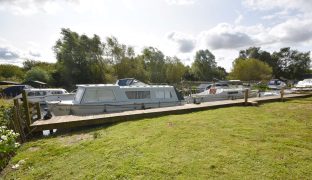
(246,97)
(17,122)
(26,109)
(38,111)
(282,94)
(19,128)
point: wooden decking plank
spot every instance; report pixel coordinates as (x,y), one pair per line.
(74,121)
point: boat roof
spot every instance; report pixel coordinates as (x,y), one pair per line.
(114,85)
(129,82)
(124,83)
(96,85)
(45,89)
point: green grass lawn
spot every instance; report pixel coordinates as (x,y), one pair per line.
(272,141)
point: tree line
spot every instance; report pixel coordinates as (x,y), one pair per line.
(85,60)
(256,64)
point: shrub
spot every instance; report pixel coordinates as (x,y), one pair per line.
(261,87)
(8,145)
(5,115)
(8,137)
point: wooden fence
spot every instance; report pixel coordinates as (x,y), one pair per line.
(24,114)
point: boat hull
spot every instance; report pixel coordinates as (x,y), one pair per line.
(90,109)
(225,95)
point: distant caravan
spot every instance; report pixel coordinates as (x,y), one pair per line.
(126,94)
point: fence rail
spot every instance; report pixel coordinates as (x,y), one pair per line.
(24,114)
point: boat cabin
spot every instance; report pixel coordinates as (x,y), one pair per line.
(110,93)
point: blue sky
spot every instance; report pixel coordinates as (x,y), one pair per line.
(29,28)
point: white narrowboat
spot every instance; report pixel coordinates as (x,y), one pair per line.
(126,94)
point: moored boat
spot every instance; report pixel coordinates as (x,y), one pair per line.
(304,85)
(126,94)
(218,93)
(48,94)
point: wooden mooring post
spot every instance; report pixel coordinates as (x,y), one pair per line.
(246,97)
(18,121)
(26,108)
(282,94)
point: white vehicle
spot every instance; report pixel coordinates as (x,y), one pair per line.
(45,95)
(305,85)
(126,94)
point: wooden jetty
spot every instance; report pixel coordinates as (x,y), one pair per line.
(69,121)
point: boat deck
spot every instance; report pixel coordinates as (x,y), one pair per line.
(69,121)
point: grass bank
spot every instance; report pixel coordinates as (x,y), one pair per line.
(270,141)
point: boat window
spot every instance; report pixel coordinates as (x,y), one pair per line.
(37,93)
(208,87)
(105,95)
(222,85)
(168,95)
(31,94)
(163,95)
(233,92)
(138,94)
(57,92)
(99,95)
(272,82)
(42,93)
(79,95)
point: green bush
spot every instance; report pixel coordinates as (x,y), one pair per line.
(8,137)
(261,87)
(8,145)
(5,115)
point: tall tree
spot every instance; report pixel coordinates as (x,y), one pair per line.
(220,73)
(292,64)
(204,66)
(80,59)
(174,70)
(257,53)
(155,64)
(131,67)
(251,69)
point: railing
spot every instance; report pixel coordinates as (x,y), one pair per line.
(24,114)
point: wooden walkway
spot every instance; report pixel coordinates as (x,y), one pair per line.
(62,122)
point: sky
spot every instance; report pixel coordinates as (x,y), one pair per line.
(30,28)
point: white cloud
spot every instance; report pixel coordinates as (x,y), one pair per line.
(301,5)
(225,36)
(239,19)
(7,53)
(12,55)
(180,2)
(185,43)
(29,7)
(293,30)
(284,14)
